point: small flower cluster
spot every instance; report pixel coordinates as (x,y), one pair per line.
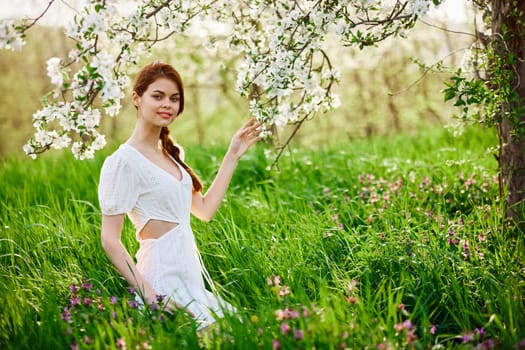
(378,192)
(89,310)
(351,297)
(408,330)
(461,194)
(456,240)
(292,321)
(11,35)
(276,286)
(478,338)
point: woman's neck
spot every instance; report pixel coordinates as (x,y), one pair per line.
(145,138)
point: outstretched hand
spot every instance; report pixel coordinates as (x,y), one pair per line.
(246,136)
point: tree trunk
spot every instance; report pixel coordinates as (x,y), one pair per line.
(508,24)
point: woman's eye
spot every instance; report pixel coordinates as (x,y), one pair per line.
(175,99)
(157,97)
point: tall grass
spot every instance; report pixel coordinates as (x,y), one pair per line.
(381,243)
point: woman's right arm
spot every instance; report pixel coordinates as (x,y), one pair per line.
(112,244)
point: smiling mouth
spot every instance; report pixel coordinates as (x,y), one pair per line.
(165,115)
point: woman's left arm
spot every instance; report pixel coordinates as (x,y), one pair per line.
(204,206)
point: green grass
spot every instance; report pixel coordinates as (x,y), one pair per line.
(381,243)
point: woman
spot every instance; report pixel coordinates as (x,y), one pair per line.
(147,179)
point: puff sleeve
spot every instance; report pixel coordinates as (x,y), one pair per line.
(118,188)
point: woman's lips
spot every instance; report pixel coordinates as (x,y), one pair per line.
(165,115)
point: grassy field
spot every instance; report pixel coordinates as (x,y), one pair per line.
(378,244)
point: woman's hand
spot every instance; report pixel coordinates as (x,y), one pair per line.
(246,136)
(171,306)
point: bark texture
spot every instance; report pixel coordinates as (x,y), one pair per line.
(508,34)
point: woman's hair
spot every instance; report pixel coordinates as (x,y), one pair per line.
(145,77)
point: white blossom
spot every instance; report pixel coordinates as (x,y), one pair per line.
(99,143)
(54,72)
(29,150)
(420,7)
(61,141)
(10,38)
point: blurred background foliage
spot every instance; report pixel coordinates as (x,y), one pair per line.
(383,90)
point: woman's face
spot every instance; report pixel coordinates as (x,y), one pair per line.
(160,103)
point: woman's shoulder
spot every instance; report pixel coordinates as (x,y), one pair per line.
(122,157)
(123,153)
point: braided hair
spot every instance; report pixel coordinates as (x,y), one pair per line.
(169,146)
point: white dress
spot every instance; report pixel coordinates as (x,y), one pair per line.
(130,183)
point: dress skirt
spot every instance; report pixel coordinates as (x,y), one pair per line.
(173,266)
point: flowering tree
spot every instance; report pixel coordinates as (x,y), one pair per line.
(286,74)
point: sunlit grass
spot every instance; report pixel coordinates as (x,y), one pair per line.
(381,244)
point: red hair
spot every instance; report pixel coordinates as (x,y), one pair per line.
(147,75)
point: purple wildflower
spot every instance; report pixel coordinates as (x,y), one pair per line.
(133,304)
(275,344)
(66,316)
(298,334)
(75,301)
(480,331)
(486,345)
(113,300)
(467,337)
(73,288)
(453,241)
(285,328)
(131,290)
(407,324)
(291,313)
(87,286)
